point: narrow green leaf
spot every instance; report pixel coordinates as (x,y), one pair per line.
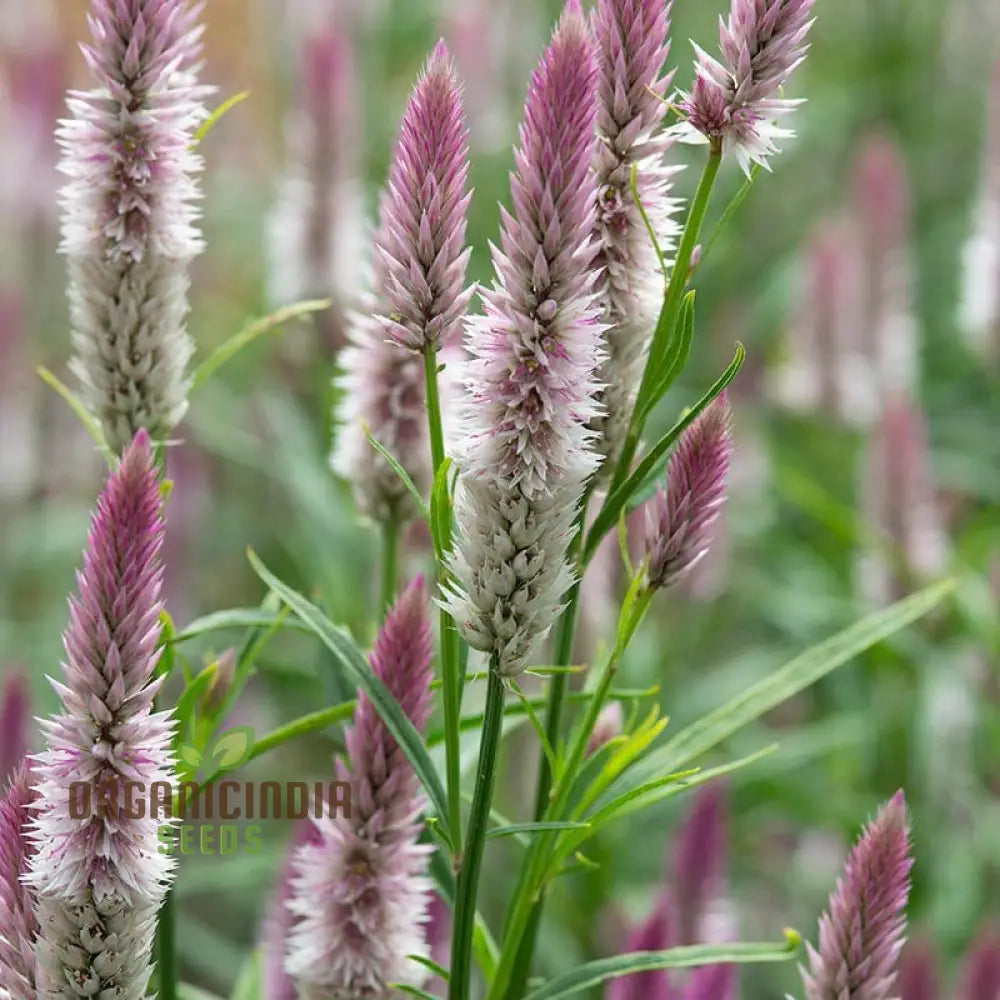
(668,786)
(249,984)
(428,963)
(634,185)
(167,637)
(360,673)
(517,829)
(191,694)
(731,209)
(649,471)
(536,723)
(251,332)
(796,675)
(593,973)
(74,402)
(218,114)
(440,515)
(303,726)
(217,621)
(674,360)
(414,991)
(399,470)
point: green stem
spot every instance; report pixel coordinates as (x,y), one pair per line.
(451,681)
(565,638)
(166,961)
(523,918)
(671,306)
(390,564)
(435,424)
(475,840)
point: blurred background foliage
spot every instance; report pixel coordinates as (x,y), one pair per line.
(799,545)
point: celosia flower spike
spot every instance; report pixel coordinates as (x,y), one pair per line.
(531,380)
(980,977)
(679,518)
(317,232)
(418,297)
(861,934)
(657,933)
(422,236)
(359,892)
(530,386)
(711,982)
(699,860)
(632,40)
(733,104)
(129,222)
(15,715)
(98,870)
(918,972)
(18,926)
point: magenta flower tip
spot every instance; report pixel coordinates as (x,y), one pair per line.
(679,518)
(421,240)
(861,934)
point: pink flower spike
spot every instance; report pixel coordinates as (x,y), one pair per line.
(421,240)
(679,518)
(531,379)
(711,982)
(18,926)
(699,860)
(130,212)
(359,891)
(526,449)
(980,978)
(317,231)
(418,300)
(632,40)
(861,934)
(98,870)
(655,934)
(918,972)
(15,715)
(734,103)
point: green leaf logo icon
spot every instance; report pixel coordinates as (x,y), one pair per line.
(190,755)
(232,748)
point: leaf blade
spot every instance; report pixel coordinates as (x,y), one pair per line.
(349,656)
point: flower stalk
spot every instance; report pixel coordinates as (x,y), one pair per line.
(475,840)
(647,396)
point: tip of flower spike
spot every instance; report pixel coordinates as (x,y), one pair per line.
(413,600)
(440,53)
(572,16)
(140,443)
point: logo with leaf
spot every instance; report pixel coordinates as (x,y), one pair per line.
(228,751)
